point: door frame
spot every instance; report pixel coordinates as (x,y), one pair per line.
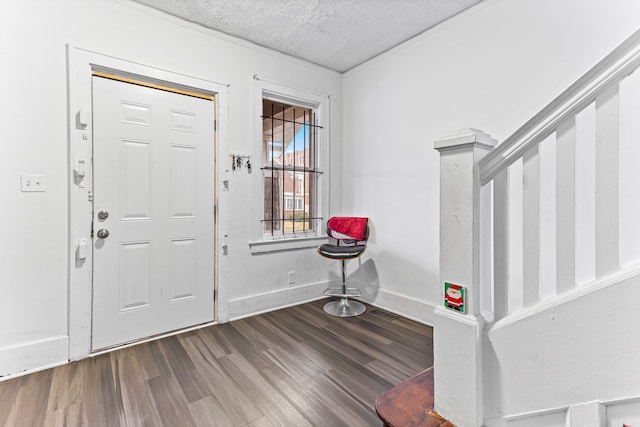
(81,64)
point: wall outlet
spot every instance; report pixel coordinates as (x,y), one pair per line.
(292,277)
(33,182)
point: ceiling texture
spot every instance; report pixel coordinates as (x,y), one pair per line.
(337,34)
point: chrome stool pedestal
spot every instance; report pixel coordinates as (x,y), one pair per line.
(345,307)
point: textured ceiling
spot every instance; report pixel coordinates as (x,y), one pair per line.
(338,34)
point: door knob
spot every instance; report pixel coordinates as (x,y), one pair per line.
(103,215)
(102,233)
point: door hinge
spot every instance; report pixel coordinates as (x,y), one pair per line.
(90,196)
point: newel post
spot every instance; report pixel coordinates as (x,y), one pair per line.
(458,336)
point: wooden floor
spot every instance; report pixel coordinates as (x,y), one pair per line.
(293,367)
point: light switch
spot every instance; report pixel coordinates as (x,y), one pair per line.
(82,249)
(81,168)
(33,182)
(83,117)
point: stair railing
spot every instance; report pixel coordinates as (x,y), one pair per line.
(556,208)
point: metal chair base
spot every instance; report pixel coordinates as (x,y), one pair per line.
(344,307)
(342,292)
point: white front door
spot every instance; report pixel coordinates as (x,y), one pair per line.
(153,219)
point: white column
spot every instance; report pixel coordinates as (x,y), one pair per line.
(458,336)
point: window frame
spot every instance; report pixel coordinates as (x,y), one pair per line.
(261,242)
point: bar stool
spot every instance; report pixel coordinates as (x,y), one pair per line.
(350,234)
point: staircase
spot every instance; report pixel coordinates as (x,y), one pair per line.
(543,230)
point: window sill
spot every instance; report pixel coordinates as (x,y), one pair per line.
(280,245)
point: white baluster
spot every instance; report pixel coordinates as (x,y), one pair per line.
(501,244)
(607,243)
(515,236)
(548,241)
(565,206)
(586,195)
(629,170)
(531,226)
(486,249)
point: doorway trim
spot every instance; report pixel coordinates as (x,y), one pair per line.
(81,64)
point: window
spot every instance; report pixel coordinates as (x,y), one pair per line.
(291,206)
(289,167)
(291,149)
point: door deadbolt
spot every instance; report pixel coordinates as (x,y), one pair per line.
(103,215)
(103,233)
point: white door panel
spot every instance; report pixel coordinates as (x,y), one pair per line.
(153,174)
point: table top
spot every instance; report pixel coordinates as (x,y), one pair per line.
(410,404)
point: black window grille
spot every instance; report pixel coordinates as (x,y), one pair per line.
(289,167)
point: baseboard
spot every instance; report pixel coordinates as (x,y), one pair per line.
(550,418)
(404,306)
(34,355)
(275,300)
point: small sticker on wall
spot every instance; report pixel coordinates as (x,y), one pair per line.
(454,297)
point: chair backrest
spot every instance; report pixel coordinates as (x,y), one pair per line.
(348,228)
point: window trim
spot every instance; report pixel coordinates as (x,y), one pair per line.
(259,241)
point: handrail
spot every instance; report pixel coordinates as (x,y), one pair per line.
(621,62)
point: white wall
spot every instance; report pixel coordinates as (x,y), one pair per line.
(491,68)
(34,227)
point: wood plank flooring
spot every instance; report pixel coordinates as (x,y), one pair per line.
(293,367)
